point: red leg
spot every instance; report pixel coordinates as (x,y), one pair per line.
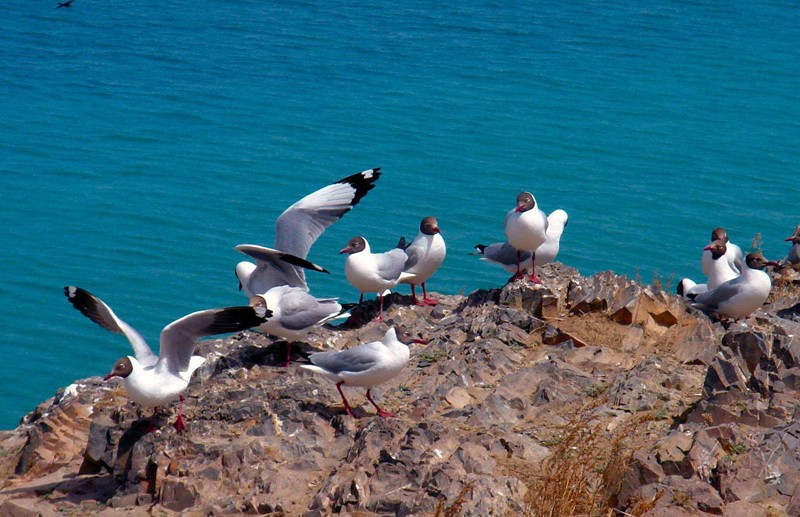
(534,278)
(288,353)
(380,309)
(151,422)
(179,424)
(346,405)
(381,413)
(425,299)
(414,296)
(519,274)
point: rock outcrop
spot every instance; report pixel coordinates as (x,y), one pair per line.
(599,383)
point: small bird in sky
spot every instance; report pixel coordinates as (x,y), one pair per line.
(68,3)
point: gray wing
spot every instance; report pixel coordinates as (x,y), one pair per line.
(274,268)
(299,310)
(390,264)
(300,225)
(738,258)
(357,359)
(793,257)
(179,338)
(722,293)
(502,253)
(96,310)
(415,251)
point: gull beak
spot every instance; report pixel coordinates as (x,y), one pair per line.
(346,249)
(420,341)
(773,263)
(707,248)
(112,374)
(519,208)
(437,230)
(790,239)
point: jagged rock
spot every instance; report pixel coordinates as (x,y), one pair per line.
(709,412)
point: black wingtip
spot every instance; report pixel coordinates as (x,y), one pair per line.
(402,243)
(362,182)
(481,248)
(236,319)
(691,296)
(680,288)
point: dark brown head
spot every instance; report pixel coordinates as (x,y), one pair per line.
(795,238)
(122,368)
(429,226)
(756,260)
(525,202)
(355,245)
(719,234)
(717,249)
(406,337)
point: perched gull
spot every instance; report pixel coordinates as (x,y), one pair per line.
(372,272)
(366,365)
(794,253)
(733,253)
(505,254)
(526,230)
(719,271)
(739,297)
(294,313)
(425,254)
(296,230)
(152,380)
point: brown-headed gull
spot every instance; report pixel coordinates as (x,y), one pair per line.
(733,253)
(296,230)
(372,272)
(365,365)
(793,258)
(526,230)
(154,380)
(505,254)
(294,313)
(719,271)
(739,297)
(425,254)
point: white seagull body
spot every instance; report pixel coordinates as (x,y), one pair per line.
(154,380)
(739,297)
(372,272)
(365,365)
(505,255)
(526,230)
(425,254)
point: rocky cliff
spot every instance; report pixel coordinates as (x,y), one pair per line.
(572,398)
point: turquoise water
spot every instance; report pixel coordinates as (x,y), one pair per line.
(139,142)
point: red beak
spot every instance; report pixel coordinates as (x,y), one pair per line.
(773,263)
(420,341)
(790,239)
(437,230)
(519,208)
(112,374)
(707,248)
(346,249)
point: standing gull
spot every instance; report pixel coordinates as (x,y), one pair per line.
(739,297)
(505,254)
(425,254)
(372,272)
(366,365)
(793,258)
(526,230)
(733,253)
(154,380)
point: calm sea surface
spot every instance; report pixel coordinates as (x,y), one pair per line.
(141,141)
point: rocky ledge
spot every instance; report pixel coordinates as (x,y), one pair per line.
(573,398)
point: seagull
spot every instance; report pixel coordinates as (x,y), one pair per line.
(366,365)
(68,3)
(719,271)
(296,230)
(505,254)
(526,230)
(425,254)
(794,253)
(733,254)
(739,297)
(294,313)
(372,272)
(154,380)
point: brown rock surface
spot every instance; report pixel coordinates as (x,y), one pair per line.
(656,409)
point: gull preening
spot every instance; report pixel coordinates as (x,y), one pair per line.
(733,253)
(372,272)
(505,255)
(366,365)
(154,380)
(739,297)
(526,230)
(425,254)
(719,271)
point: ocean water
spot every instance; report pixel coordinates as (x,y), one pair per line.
(141,141)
